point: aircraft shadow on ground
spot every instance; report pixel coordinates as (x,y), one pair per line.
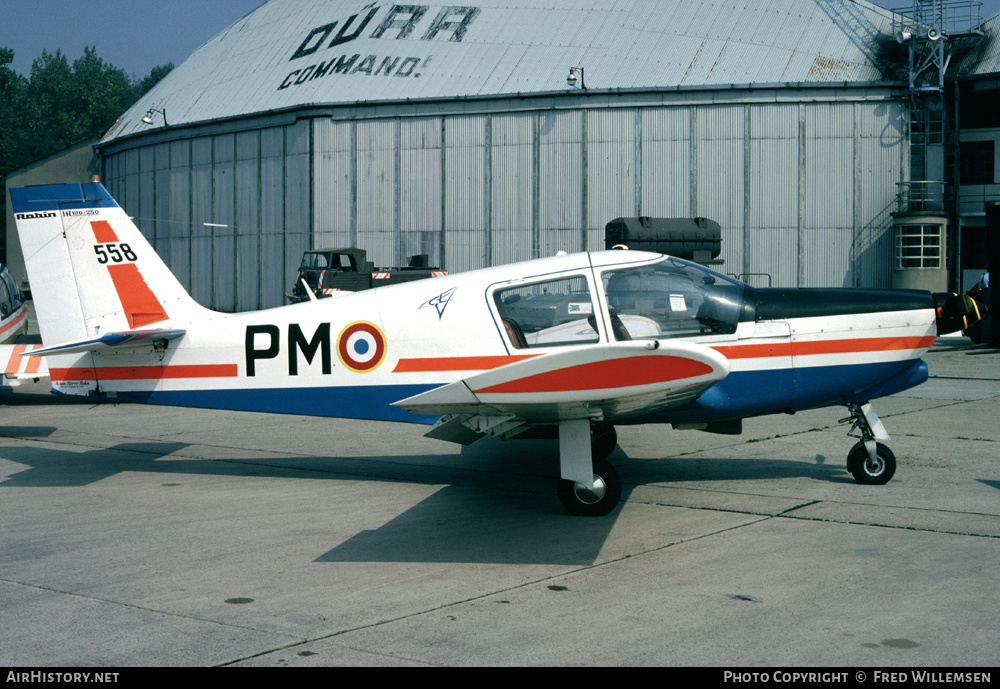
(498,509)
(679,470)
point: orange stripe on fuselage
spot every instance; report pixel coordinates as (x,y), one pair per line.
(740,351)
(808,348)
(144,372)
(137,299)
(458,363)
(17,320)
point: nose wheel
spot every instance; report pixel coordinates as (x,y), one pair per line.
(871,471)
(871,463)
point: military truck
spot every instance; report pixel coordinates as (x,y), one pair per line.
(327,271)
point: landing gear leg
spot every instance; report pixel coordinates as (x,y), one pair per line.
(603,440)
(589,486)
(869,461)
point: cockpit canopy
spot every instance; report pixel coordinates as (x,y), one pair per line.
(672,298)
(669,298)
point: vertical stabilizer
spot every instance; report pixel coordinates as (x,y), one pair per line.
(91,270)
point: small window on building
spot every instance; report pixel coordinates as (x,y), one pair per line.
(919,246)
(977,162)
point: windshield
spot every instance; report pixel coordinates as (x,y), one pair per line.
(672,298)
(313,260)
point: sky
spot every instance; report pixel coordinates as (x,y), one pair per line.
(137,35)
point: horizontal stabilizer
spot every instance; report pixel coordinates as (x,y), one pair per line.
(129,339)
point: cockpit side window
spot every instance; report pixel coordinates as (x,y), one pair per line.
(548,314)
(672,298)
(6,303)
(16,297)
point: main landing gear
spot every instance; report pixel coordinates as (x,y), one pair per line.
(869,461)
(589,486)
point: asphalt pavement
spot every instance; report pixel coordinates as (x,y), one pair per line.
(152,536)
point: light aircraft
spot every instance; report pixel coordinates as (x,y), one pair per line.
(13,311)
(13,327)
(569,345)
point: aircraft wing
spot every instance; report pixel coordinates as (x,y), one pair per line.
(595,382)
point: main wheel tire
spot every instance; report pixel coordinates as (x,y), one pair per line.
(871,473)
(584,502)
(603,442)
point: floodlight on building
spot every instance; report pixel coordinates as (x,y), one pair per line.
(575,75)
(148,119)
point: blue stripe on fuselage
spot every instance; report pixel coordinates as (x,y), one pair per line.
(348,402)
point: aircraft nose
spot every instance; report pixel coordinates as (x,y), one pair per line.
(956,312)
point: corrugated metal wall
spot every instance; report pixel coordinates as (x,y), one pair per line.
(230,213)
(803,190)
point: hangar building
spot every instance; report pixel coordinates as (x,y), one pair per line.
(501,131)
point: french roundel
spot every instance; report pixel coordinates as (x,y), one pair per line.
(361,347)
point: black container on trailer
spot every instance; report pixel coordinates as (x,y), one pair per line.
(694,239)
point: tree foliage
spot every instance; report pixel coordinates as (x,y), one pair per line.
(59,105)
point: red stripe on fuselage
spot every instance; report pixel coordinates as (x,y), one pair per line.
(137,299)
(144,372)
(18,318)
(458,363)
(609,374)
(808,348)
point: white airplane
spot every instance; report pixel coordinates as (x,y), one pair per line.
(569,345)
(13,327)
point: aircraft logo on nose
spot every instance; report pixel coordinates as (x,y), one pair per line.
(440,302)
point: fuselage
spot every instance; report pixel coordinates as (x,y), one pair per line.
(353,356)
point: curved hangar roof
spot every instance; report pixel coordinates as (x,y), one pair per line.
(294,53)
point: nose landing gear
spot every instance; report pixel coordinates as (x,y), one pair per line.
(869,461)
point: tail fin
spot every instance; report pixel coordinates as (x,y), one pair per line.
(91,270)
